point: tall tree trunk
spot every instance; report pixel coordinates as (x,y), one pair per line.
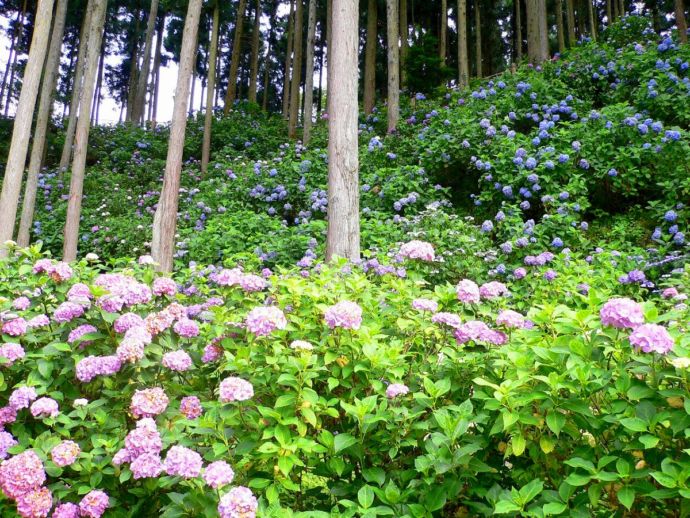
(143,77)
(570,15)
(320,95)
(19,145)
(155,80)
(208,118)
(404,42)
(478,37)
(288,60)
(99,82)
(681,23)
(559,26)
(134,70)
(621,8)
(38,147)
(343,167)
(443,35)
(191,94)
(581,17)
(463,59)
(254,68)
(296,71)
(536,31)
(593,20)
(370,57)
(76,90)
(616,14)
(235,57)
(608,12)
(70,71)
(329,46)
(393,22)
(12,57)
(309,77)
(518,29)
(76,186)
(544,30)
(165,219)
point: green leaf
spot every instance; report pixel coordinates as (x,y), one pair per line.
(634,423)
(509,419)
(343,441)
(365,496)
(626,496)
(575,479)
(664,479)
(555,421)
(506,506)
(519,443)
(530,491)
(554,508)
(649,441)
(377,475)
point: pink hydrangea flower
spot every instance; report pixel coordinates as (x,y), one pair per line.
(124,291)
(22,473)
(8,415)
(669,293)
(127,321)
(186,328)
(218,474)
(80,331)
(94,504)
(212,353)
(7,441)
(164,286)
(425,305)
(448,319)
(79,293)
(38,321)
(22,397)
(183,462)
(190,406)
(467,291)
(396,389)
(251,283)
(15,327)
(178,361)
(492,290)
(263,320)
(146,465)
(65,453)
(145,438)
(622,313)
(651,338)
(227,277)
(510,318)
(45,407)
(42,265)
(60,272)
(235,389)
(67,311)
(91,366)
(239,502)
(148,402)
(418,250)
(35,504)
(66,510)
(10,353)
(345,314)
(21,303)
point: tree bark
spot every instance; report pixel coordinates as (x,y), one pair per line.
(518,31)
(608,12)
(404,42)
(393,22)
(309,77)
(254,67)
(296,71)
(235,58)
(370,57)
(208,118)
(16,158)
(165,219)
(52,66)
(536,31)
(143,77)
(76,187)
(559,26)
(288,60)
(155,80)
(593,20)
(99,83)
(329,43)
(76,90)
(443,35)
(134,70)
(12,58)
(570,15)
(478,38)
(343,167)
(463,59)
(681,22)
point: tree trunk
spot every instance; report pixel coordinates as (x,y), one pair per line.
(393,22)
(16,158)
(443,36)
(133,70)
(296,71)
(320,94)
(165,219)
(559,26)
(143,76)
(254,64)
(621,8)
(536,32)
(404,42)
(343,167)
(208,118)
(99,82)
(12,57)
(518,30)
(370,58)
(593,20)
(681,23)
(52,66)
(608,12)
(581,17)
(155,80)
(570,15)
(76,90)
(309,77)
(478,38)
(544,30)
(81,142)
(615,13)
(329,46)
(463,59)
(288,60)
(235,58)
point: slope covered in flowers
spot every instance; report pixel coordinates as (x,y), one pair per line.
(515,342)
